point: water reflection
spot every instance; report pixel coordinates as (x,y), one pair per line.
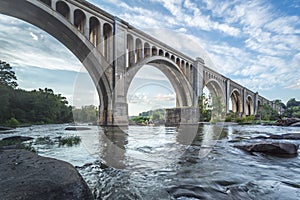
(111,147)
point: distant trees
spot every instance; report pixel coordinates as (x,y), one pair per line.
(292,108)
(267,113)
(17,105)
(86,114)
(42,106)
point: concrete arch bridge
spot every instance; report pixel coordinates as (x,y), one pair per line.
(113,51)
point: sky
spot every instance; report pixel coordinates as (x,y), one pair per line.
(255,43)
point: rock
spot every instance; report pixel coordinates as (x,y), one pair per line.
(3,128)
(287,121)
(77,128)
(25,175)
(297,124)
(17,139)
(288,136)
(271,148)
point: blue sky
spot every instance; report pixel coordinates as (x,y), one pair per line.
(255,43)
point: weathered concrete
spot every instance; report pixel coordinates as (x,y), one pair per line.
(113,51)
(26,176)
(182,116)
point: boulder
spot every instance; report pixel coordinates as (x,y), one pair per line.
(26,175)
(287,121)
(271,148)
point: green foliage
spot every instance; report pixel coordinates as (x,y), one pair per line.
(86,114)
(231,117)
(7,76)
(157,116)
(292,108)
(140,119)
(36,107)
(218,109)
(69,141)
(267,113)
(18,143)
(12,122)
(44,140)
(204,111)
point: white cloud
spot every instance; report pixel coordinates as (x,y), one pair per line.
(34,37)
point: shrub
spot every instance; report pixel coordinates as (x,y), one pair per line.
(69,141)
(12,122)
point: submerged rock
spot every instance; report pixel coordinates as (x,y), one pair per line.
(288,136)
(17,139)
(77,128)
(4,128)
(297,124)
(25,175)
(271,148)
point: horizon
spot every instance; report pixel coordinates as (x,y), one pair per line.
(227,39)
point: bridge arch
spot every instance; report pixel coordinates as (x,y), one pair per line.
(59,26)
(217,94)
(182,87)
(236,101)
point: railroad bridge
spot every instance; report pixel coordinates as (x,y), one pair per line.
(113,51)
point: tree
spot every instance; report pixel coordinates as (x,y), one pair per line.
(203,104)
(7,75)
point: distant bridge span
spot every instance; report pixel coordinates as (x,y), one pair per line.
(113,51)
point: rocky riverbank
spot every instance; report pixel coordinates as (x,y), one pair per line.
(26,175)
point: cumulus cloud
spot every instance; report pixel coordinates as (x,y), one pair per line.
(30,46)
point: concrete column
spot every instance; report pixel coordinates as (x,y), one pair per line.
(87,26)
(143,50)
(101,46)
(198,80)
(255,103)
(227,95)
(72,14)
(244,102)
(53,4)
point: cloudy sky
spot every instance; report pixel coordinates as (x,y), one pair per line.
(255,43)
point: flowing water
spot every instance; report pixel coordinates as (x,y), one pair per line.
(187,162)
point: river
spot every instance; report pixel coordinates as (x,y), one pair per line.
(187,162)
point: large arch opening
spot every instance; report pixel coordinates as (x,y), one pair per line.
(57,28)
(150,90)
(183,90)
(63,9)
(236,102)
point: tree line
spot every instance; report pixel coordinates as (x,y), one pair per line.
(32,107)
